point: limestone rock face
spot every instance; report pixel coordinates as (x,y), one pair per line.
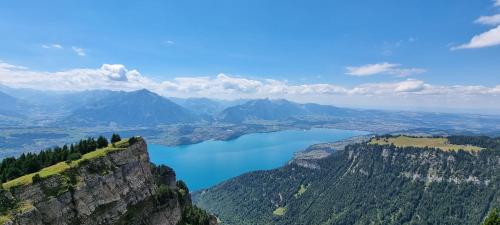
(118,188)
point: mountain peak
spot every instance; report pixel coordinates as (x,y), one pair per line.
(141,107)
(278,101)
(144,92)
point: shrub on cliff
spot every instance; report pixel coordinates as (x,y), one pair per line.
(493,218)
(133,140)
(6,201)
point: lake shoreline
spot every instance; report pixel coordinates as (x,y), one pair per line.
(207,163)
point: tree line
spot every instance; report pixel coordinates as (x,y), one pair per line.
(480,141)
(27,163)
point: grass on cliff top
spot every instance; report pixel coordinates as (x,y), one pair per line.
(63,166)
(422,142)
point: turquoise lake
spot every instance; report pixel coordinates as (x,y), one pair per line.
(205,164)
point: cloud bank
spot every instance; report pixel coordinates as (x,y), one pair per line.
(406,92)
(382,68)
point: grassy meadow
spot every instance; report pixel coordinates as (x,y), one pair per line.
(422,142)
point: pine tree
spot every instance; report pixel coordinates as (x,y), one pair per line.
(115,138)
(102,142)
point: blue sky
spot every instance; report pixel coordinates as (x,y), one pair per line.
(300,42)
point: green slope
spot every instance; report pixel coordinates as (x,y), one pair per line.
(365,184)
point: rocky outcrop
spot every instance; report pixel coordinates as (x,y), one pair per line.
(118,188)
(310,156)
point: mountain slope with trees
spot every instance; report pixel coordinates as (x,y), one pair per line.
(366,184)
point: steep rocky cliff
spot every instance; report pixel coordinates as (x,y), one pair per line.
(121,187)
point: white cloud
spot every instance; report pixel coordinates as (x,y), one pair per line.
(410,86)
(393,88)
(118,77)
(238,84)
(382,68)
(489,20)
(115,72)
(486,39)
(370,69)
(79,51)
(168,42)
(52,46)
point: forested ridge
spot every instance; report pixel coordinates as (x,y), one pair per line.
(367,184)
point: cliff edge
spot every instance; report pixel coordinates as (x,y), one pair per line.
(119,187)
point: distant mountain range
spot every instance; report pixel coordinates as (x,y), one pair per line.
(147,109)
(280,109)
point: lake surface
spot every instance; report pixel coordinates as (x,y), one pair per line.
(205,164)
